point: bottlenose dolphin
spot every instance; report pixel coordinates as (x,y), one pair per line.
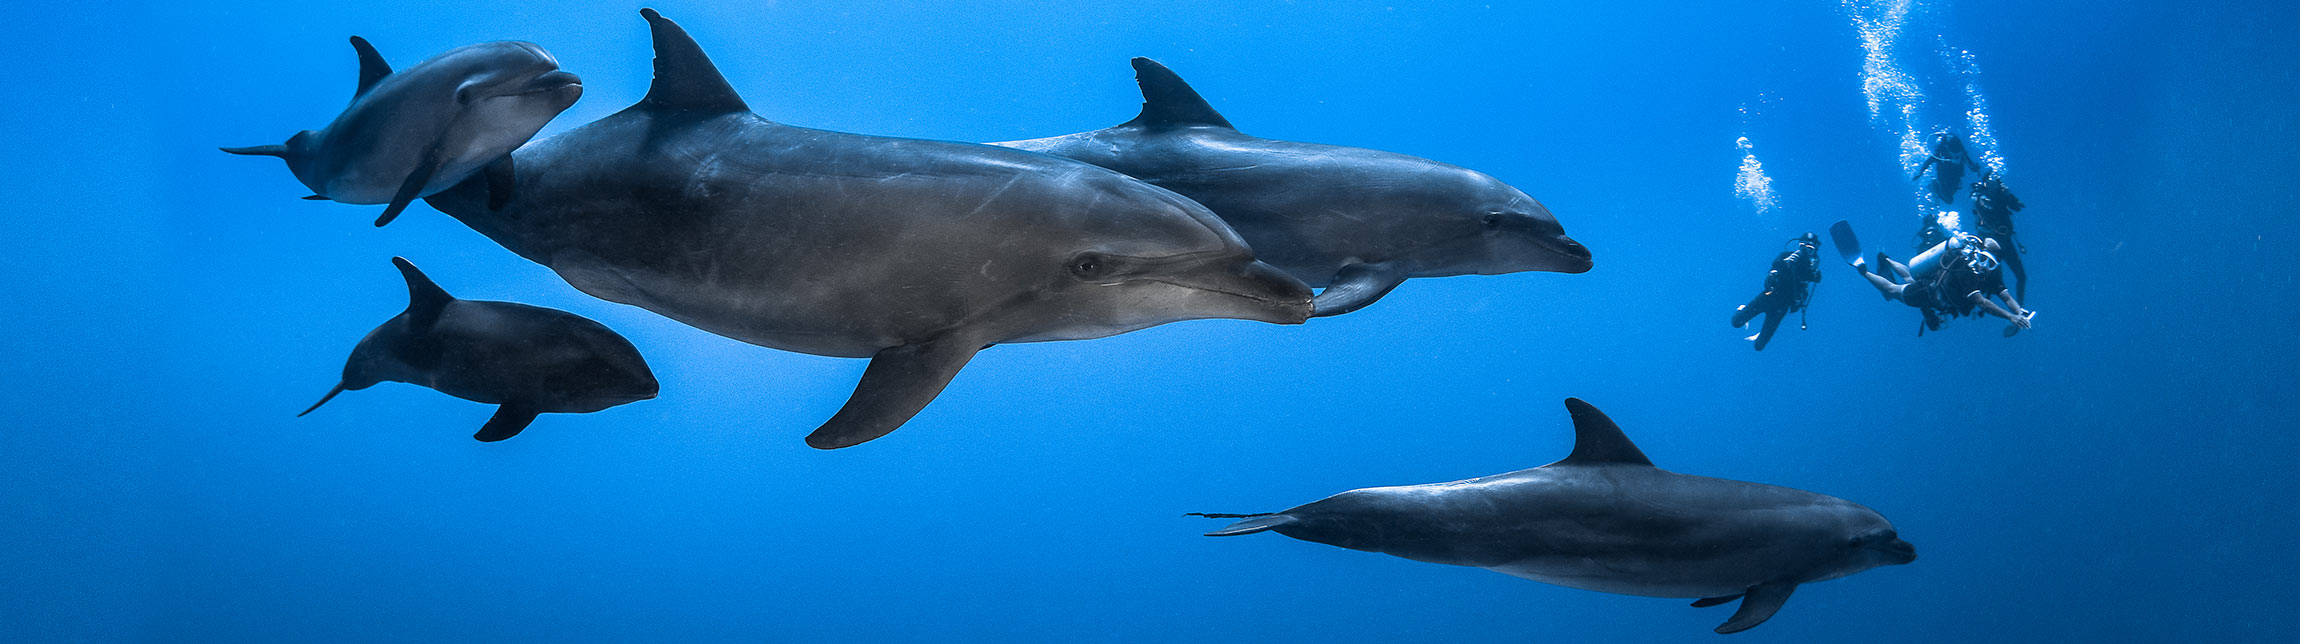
(1606,519)
(1356,221)
(916,254)
(429,127)
(528,359)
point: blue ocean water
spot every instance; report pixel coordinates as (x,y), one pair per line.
(2120,473)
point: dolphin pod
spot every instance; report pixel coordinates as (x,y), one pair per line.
(916,254)
(1356,221)
(919,254)
(422,130)
(1606,519)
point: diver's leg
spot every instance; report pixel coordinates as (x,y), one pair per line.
(1891,290)
(2012,264)
(1742,315)
(1772,323)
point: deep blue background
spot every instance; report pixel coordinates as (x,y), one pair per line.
(2119,474)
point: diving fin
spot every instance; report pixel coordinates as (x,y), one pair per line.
(1356,286)
(1757,606)
(1848,246)
(900,381)
(509,420)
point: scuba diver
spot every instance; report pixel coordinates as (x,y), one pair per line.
(1993,207)
(1788,288)
(1948,162)
(1950,279)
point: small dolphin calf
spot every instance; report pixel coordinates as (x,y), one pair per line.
(1356,221)
(425,129)
(1606,519)
(529,359)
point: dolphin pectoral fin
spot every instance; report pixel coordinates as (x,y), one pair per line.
(413,186)
(509,420)
(1713,601)
(501,180)
(1356,286)
(1757,606)
(901,380)
(316,198)
(1253,525)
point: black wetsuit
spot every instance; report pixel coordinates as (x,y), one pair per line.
(1947,292)
(1787,288)
(1993,207)
(1948,162)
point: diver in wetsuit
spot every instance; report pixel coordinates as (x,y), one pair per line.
(1788,287)
(1948,163)
(1993,207)
(1951,280)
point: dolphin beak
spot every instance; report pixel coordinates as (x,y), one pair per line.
(1902,551)
(553,80)
(1273,296)
(1574,255)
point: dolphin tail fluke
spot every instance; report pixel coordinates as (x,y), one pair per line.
(323,399)
(280,151)
(1253,523)
(901,380)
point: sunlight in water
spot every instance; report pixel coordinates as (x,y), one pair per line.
(1981,138)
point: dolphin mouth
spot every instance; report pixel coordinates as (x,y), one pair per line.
(1278,298)
(552,81)
(1576,256)
(1902,551)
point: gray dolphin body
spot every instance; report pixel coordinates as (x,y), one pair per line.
(1356,221)
(1606,519)
(528,359)
(429,127)
(916,254)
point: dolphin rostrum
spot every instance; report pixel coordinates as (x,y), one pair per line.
(1356,221)
(916,254)
(424,129)
(1606,519)
(528,359)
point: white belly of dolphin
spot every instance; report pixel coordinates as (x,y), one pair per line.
(1617,577)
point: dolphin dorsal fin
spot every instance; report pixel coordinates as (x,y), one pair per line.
(1597,441)
(372,69)
(1169,102)
(425,299)
(685,79)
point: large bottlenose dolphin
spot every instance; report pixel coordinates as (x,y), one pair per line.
(1606,519)
(917,254)
(528,359)
(429,127)
(1356,221)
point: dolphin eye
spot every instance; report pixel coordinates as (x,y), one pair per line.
(1492,221)
(1090,265)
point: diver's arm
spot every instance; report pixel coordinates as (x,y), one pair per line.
(1991,306)
(1929,159)
(2007,294)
